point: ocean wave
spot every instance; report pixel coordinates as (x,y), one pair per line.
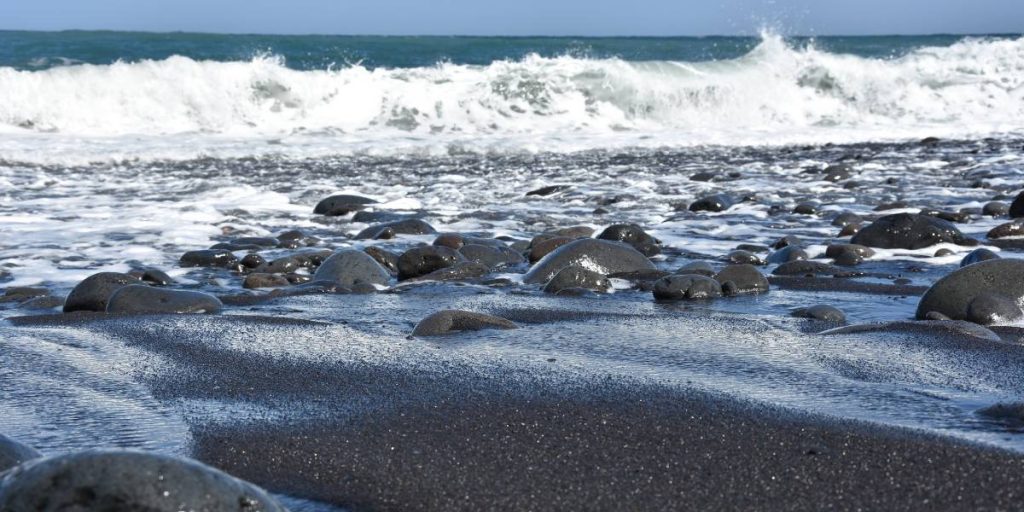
(976,83)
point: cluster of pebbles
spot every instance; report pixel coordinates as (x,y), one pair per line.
(575,261)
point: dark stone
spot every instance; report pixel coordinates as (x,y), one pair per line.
(835,250)
(849,230)
(746,278)
(995,209)
(93,293)
(349,267)
(910,231)
(575,276)
(978,255)
(992,308)
(837,172)
(291,236)
(846,218)
(943,252)
(548,190)
(460,271)
(686,287)
(140,299)
(386,259)
(265,281)
(450,321)
(13,453)
(401,227)
(715,203)
(703,176)
(786,241)
(950,216)
(282,265)
(378,217)
(600,256)
(342,204)
(253,260)
(1010,229)
(744,257)
(806,209)
(209,258)
(755,248)
(42,303)
(1017,206)
(701,268)
(157,277)
(787,254)
(821,312)
(491,257)
(1010,414)
(420,261)
(895,205)
(23,293)
(805,268)
(128,481)
(633,235)
(953,294)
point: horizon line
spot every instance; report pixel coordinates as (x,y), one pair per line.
(513,36)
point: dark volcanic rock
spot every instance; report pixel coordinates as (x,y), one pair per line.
(93,293)
(208,258)
(390,229)
(350,267)
(140,299)
(253,260)
(715,203)
(13,453)
(423,260)
(452,320)
(805,268)
(821,312)
(978,255)
(745,278)
(952,295)
(548,190)
(385,258)
(599,256)
(910,231)
(806,209)
(461,271)
(22,293)
(846,218)
(744,257)
(539,249)
(253,281)
(701,268)
(1017,206)
(991,308)
(341,204)
(156,277)
(283,265)
(787,241)
(686,287)
(995,209)
(575,276)
(491,257)
(127,481)
(787,254)
(633,235)
(1010,229)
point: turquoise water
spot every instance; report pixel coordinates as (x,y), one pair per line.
(40,50)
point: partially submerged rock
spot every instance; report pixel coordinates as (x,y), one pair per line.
(142,300)
(743,278)
(122,480)
(575,276)
(953,295)
(93,293)
(910,231)
(453,320)
(350,267)
(341,204)
(686,287)
(599,256)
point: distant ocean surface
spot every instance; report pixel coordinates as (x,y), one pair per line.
(101,95)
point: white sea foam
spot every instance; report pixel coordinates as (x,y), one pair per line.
(183,108)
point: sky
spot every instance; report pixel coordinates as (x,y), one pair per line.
(521,17)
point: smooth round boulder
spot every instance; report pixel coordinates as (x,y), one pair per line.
(601,256)
(805,268)
(953,294)
(208,258)
(701,268)
(254,281)
(633,235)
(686,287)
(909,231)
(1007,230)
(157,277)
(13,453)
(846,218)
(821,312)
(127,480)
(390,229)
(420,261)
(541,248)
(139,299)
(745,279)
(713,203)
(1017,207)
(575,276)
(454,320)
(978,255)
(787,254)
(491,256)
(995,209)
(740,256)
(341,204)
(253,260)
(350,267)
(993,308)
(93,293)
(385,258)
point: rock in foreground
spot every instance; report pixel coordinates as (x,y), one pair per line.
(599,256)
(910,231)
(93,293)
(453,320)
(954,294)
(146,300)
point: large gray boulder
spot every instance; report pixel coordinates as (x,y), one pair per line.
(93,293)
(350,267)
(13,453)
(124,480)
(954,294)
(601,256)
(453,320)
(910,231)
(147,300)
